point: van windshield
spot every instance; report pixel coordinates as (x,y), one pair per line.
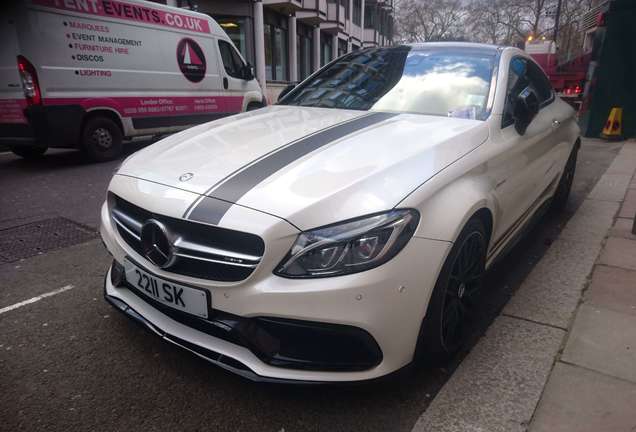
(438,81)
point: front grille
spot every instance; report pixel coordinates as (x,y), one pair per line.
(202,251)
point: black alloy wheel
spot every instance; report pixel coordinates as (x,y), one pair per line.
(464,282)
(449,310)
(562,193)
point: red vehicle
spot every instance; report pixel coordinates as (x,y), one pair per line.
(568,79)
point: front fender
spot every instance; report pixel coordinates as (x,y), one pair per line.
(444,212)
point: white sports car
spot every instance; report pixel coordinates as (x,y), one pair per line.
(342,233)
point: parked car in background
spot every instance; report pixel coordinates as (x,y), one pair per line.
(343,233)
(87,75)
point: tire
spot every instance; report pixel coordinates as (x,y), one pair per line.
(443,328)
(254,106)
(101,139)
(29,152)
(562,193)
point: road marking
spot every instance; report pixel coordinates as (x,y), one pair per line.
(36,299)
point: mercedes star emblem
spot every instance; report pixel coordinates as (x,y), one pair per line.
(156,244)
(185,176)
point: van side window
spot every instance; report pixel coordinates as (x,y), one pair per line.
(232,62)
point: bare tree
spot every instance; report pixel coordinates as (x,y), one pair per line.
(430,20)
(502,22)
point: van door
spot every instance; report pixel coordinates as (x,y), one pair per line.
(232,71)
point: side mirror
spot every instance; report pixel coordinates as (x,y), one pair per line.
(247,72)
(286,90)
(526,107)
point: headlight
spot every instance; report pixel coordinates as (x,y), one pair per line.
(349,247)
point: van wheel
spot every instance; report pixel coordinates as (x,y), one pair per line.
(254,106)
(29,152)
(101,139)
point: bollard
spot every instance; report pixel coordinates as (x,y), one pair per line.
(634,225)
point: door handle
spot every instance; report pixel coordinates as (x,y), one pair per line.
(225,83)
(556,123)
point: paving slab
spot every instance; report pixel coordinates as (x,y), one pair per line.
(603,340)
(498,385)
(580,400)
(551,292)
(624,162)
(628,209)
(619,252)
(590,222)
(623,228)
(611,187)
(613,288)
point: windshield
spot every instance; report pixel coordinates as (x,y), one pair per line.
(439,81)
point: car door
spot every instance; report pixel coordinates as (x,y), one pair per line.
(519,168)
(234,85)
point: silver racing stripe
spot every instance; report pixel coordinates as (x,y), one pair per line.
(211,209)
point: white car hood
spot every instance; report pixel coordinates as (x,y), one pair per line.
(370,165)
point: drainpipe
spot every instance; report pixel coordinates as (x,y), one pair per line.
(334,46)
(362,24)
(259,43)
(316,47)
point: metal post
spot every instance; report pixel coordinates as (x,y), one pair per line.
(556,23)
(292,52)
(259,43)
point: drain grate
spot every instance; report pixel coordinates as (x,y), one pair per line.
(38,237)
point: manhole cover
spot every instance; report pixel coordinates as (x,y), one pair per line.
(38,237)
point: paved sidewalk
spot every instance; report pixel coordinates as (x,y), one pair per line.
(593,384)
(550,362)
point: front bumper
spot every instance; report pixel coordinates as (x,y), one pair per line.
(387,303)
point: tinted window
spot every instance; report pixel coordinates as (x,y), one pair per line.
(231,60)
(524,73)
(439,81)
(539,82)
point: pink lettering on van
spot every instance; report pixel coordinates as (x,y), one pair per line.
(130,12)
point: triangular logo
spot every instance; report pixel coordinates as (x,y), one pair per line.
(190,56)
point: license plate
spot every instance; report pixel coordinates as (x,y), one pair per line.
(183,298)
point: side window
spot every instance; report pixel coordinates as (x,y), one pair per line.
(517,81)
(524,73)
(539,82)
(232,62)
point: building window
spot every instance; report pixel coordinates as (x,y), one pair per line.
(369,17)
(236,29)
(275,47)
(342,47)
(303,46)
(357,12)
(325,49)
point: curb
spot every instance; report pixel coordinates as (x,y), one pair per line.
(499,384)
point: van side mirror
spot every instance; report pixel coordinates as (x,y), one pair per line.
(526,107)
(247,73)
(286,90)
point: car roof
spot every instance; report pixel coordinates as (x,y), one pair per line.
(461,45)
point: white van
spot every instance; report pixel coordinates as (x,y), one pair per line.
(88,73)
